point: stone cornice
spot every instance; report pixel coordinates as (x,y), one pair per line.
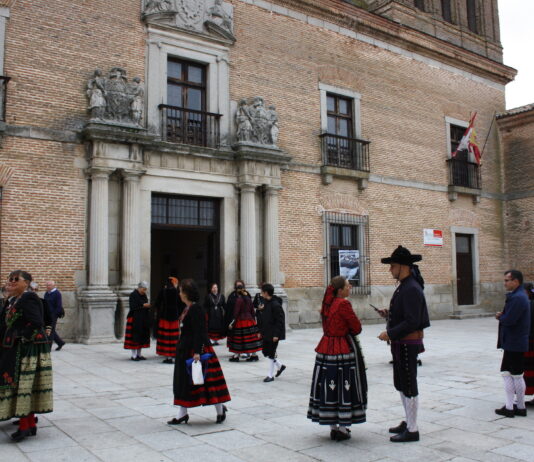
(360,21)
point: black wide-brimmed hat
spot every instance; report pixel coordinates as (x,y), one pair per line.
(402,256)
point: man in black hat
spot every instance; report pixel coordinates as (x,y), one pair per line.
(406,318)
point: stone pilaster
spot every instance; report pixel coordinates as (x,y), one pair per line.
(97,302)
(130,254)
(247,235)
(271,242)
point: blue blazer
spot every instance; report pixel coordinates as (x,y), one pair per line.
(514,324)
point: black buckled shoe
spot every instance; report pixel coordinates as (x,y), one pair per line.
(268,379)
(505,412)
(234,359)
(520,412)
(399,428)
(176,421)
(19,435)
(342,436)
(282,369)
(221,417)
(405,437)
(252,358)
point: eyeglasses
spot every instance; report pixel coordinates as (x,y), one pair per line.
(15,279)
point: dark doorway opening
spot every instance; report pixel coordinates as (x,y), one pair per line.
(185,241)
(464,269)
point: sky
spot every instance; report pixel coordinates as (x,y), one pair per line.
(517,38)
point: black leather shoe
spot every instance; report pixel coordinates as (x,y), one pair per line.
(405,437)
(342,436)
(282,369)
(399,428)
(221,417)
(168,361)
(520,412)
(333,434)
(19,435)
(252,358)
(17,422)
(234,359)
(505,412)
(134,359)
(268,379)
(141,358)
(176,421)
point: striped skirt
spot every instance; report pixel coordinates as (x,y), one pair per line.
(214,390)
(31,388)
(167,337)
(339,389)
(129,343)
(529,368)
(244,337)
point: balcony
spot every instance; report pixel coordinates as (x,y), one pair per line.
(346,158)
(464,178)
(3,94)
(188,126)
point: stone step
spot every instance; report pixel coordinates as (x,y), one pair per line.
(471,314)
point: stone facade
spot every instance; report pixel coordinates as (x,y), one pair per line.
(78,179)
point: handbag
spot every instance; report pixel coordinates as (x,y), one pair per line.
(196,373)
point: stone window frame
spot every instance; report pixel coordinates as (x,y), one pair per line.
(163,45)
(474,232)
(356,106)
(4,16)
(362,222)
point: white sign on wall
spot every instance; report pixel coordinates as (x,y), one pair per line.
(433,237)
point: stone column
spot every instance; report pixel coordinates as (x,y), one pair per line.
(130,252)
(99,229)
(271,242)
(247,235)
(97,302)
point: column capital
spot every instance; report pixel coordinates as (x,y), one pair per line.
(247,187)
(272,189)
(99,172)
(132,175)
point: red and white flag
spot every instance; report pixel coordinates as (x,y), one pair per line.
(469,141)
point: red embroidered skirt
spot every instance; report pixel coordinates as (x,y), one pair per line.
(244,337)
(214,390)
(129,342)
(529,368)
(167,338)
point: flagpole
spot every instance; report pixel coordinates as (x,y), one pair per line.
(489,131)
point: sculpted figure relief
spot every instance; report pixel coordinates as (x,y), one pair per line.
(158,6)
(255,124)
(114,99)
(219,20)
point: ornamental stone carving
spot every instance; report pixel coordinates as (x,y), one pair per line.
(213,18)
(113,99)
(255,124)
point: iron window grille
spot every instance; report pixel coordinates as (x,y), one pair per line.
(188,212)
(345,231)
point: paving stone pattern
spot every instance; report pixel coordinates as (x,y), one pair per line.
(108,408)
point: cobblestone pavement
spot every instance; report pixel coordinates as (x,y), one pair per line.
(108,408)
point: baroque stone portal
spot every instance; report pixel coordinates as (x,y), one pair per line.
(256,124)
(114,99)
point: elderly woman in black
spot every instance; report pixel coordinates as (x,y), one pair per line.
(193,343)
(137,335)
(25,364)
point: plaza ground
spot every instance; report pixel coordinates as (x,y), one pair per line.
(108,408)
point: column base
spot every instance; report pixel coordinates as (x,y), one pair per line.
(98,306)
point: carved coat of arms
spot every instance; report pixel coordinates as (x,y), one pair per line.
(190,11)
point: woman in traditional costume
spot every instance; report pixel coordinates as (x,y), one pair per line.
(169,306)
(215,307)
(339,384)
(137,334)
(194,344)
(25,364)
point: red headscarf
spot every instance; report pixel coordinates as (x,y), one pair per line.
(328,299)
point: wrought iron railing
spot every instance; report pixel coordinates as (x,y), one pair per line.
(344,152)
(188,126)
(464,173)
(3,93)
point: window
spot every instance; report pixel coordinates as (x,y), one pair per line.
(347,242)
(183,211)
(186,85)
(339,112)
(420,4)
(446,11)
(463,171)
(472,16)
(456,135)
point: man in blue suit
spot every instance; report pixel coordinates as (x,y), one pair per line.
(55,304)
(514,328)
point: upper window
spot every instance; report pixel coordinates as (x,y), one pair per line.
(420,4)
(456,134)
(190,212)
(339,112)
(446,11)
(186,84)
(348,249)
(472,16)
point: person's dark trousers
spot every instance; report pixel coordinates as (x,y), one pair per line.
(55,337)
